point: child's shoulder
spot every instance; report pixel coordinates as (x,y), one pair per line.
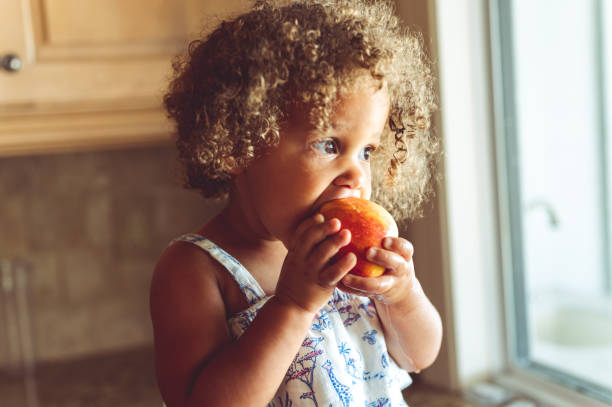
(188,276)
(188,313)
(182,262)
(184,268)
(183,257)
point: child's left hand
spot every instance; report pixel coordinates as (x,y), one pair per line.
(398,281)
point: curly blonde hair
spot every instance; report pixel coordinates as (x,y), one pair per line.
(232,89)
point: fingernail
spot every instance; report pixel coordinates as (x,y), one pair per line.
(371,252)
(319,218)
(387,242)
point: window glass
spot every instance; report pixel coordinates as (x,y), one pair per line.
(557,75)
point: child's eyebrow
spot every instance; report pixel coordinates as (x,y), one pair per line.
(374,139)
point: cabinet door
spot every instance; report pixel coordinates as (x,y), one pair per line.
(93,72)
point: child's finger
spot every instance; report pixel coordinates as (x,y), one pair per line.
(368,286)
(333,273)
(309,222)
(400,246)
(316,233)
(388,259)
(325,250)
(303,226)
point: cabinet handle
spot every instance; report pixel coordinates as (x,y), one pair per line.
(11,63)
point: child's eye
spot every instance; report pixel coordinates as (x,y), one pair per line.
(327,146)
(366,153)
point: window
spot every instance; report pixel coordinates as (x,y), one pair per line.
(554,143)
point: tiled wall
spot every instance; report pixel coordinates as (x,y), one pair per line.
(92,225)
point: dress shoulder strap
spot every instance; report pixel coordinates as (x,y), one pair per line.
(248,285)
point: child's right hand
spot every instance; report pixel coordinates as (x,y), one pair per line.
(307,279)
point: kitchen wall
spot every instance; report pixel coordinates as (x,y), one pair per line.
(92,225)
(428,233)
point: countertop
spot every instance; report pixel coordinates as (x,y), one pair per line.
(127,379)
(120,379)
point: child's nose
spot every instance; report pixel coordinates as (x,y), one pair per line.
(353,176)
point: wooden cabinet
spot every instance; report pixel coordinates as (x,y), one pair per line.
(93,72)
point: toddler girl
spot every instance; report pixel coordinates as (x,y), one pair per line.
(278,111)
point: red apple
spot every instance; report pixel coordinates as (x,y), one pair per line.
(368,222)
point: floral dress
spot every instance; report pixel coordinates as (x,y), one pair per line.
(343,360)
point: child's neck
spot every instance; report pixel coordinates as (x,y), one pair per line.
(262,256)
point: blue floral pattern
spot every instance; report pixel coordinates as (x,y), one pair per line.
(343,360)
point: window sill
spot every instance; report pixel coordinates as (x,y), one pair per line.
(545,392)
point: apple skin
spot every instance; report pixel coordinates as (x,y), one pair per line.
(368,222)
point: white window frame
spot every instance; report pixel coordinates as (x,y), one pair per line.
(471,278)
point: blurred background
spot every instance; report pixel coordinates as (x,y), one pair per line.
(514,250)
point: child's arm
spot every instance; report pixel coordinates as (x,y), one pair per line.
(197,362)
(413,331)
(413,328)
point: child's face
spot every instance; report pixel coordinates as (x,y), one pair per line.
(309,168)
